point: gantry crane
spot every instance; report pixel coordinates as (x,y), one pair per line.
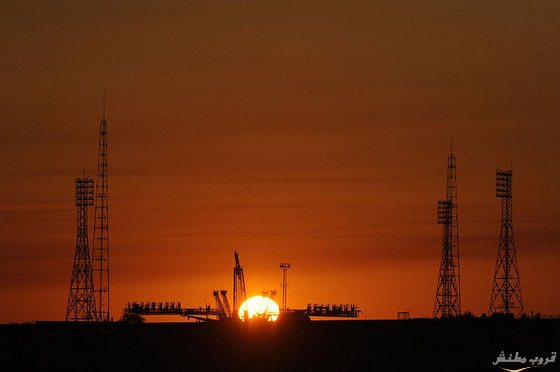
(239,294)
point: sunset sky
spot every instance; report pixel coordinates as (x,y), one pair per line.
(310,132)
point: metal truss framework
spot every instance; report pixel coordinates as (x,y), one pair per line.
(284,267)
(81,299)
(101,226)
(448,293)
(506,295)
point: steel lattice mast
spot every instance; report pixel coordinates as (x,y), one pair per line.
(506,288)
(285,267)
(101,225)
(448,294)
(81,299)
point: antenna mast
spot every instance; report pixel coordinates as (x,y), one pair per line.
(284,267)
(448,294)
(101,225)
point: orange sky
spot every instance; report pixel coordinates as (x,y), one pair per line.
(312,133)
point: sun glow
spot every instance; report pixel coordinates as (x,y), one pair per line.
(259,307)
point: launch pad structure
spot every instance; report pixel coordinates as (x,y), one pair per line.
(223,312)
(89,294)
(239,293)
(211,313)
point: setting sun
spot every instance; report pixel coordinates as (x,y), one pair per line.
(259,307)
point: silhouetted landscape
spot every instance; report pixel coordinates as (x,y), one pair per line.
(292,185)
(383,345)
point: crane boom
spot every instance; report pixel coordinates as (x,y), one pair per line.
(239,294)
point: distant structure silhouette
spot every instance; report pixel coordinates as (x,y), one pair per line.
(81,299)
(239,294)
(222,304)
(284,267)
(101,225)
(506,288)
(448,293)
(225,301)
(222,311)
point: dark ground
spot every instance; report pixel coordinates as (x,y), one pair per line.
(377,345)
